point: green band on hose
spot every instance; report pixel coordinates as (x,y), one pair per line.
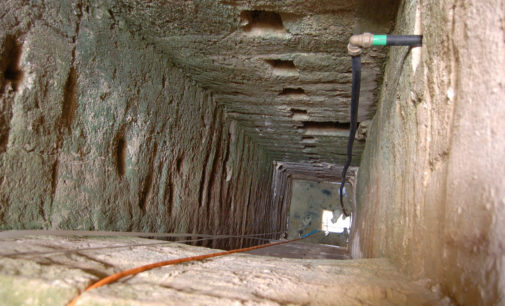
(379,40)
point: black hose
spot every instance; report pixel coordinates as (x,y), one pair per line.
(388,40)
(404,40)
(356,83)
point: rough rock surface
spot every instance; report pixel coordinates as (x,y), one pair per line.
(167,116)
(430,191)
(281,68)
(100,131)
(55,277)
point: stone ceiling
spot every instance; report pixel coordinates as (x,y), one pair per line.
(280,67)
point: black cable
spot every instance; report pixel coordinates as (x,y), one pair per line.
(356,83)
(388,40)
(404,40)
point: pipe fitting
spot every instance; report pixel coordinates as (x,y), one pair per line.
(367,40)
(358,42)
(364,40)
(354,50)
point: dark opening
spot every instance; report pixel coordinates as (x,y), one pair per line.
(299,114)
(121,156)
(12,72)
(325,128)
(69,100)
(326,125)
(295,111)
(292,91)
(281,64)
(262,20)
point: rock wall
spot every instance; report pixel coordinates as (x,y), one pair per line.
(98,130)
(430,188)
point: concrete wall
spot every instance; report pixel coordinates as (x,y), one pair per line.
(430,191)
(99,131)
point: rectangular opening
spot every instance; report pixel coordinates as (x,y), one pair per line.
(299,114)
(308,139)
(340,225)
(292,91)
(326,128)
(259,22)
(281,64)
(282,67)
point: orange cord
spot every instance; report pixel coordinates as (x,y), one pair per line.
(117,276)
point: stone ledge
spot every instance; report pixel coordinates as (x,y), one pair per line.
(55,278)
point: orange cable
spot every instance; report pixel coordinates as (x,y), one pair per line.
(117,276)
